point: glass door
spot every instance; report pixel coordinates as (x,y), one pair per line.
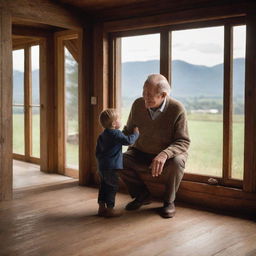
(26,104)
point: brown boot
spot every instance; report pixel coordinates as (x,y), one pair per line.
(111,212)
(102,210)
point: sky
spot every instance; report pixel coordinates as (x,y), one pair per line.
(202,46)
(18,58)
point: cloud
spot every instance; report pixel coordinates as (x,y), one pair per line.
(208,48)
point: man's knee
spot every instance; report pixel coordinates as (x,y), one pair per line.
(174,171)
(176,163)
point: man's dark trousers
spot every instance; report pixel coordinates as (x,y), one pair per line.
(136,162)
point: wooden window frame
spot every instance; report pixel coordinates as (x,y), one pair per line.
(27,157)
(60,37)
(165,69)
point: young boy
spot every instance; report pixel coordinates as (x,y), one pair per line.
(110,159)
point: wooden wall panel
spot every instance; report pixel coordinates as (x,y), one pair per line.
(250,106)
(5,106)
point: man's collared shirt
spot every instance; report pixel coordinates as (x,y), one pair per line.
(155,113)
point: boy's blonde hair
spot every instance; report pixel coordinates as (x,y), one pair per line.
(107,117)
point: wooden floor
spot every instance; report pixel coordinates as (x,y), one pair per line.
(61,220)
(28,175)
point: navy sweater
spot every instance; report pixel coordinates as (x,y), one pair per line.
(109,148)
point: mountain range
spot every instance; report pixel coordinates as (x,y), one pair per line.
(188,80)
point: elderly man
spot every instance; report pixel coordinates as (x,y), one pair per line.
(161,149)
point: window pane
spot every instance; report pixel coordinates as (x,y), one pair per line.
(18,76)
(18,98)
(18,130)
(35,75)
(140,57)
(35,101)
(71,110)
(197,81)
(239,38)
(36,132)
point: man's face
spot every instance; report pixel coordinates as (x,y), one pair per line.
(151,96)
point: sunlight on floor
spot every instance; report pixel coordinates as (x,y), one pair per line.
(27,175)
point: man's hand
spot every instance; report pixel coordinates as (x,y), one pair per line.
(158,164)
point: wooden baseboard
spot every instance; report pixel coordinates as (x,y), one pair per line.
(214,197)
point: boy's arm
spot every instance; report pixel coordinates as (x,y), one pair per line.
(126,139)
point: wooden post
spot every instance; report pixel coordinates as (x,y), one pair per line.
(5,106)
(48,121)
(228,95)
(115,73)
(84,88)
(100,83)
(165,54)
(250,106)
(60,97)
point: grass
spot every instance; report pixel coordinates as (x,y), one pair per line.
(18,139)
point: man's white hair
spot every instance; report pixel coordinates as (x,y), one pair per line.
(160,81)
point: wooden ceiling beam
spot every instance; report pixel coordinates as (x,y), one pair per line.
(30,31)
(182,17)
(44,12)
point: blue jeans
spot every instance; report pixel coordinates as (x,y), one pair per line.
(108,187)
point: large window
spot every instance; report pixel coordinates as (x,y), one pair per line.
(207,74)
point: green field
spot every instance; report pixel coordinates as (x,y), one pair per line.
(205,153)
(18,139)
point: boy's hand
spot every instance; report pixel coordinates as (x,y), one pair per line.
(136,130)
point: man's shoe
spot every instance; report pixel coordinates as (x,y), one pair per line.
(136,204)
(168,210)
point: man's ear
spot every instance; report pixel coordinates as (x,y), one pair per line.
(164,94)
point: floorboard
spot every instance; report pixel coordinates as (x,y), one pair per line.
(61,220)
(29,175)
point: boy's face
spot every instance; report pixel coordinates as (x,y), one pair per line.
(117,123)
